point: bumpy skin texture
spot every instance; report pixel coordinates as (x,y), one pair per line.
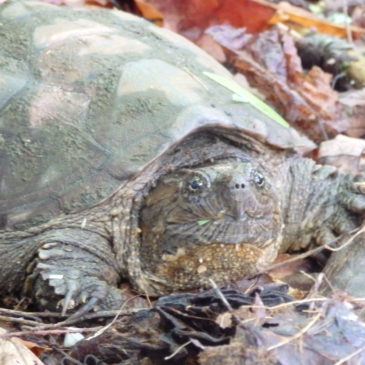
(123,160)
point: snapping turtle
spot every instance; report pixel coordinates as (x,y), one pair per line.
(121,159)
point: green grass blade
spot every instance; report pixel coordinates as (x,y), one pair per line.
(244,96)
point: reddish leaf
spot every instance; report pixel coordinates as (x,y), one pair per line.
(191,17)
(271,64)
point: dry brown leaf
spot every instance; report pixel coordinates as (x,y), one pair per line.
(287,269)
(16,351)
(293,273)
(229,36)
(344,152)
(271,64)
(149,11)
(354,105)
(258,307)
(210,46)
(35,348)
(291,101)
(315,88)
(224,320)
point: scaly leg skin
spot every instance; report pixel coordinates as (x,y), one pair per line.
(343,209)
(75,269)
(323,204)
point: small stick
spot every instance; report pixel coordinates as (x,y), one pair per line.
(298,334)
(178,350)
(220,294)
(348,357)
(48,332)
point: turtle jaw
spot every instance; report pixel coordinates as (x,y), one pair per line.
(195,267)
(186,257)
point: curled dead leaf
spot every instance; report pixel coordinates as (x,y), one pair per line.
(16,351)
(344,152)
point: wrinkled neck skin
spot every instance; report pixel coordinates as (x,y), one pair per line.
(213,213)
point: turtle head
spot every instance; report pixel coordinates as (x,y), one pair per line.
(219,220)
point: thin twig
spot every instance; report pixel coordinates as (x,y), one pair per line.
(308,253)
(348,357)
(13,312)
(220,294)
(48,332)
(177,350)
(21,321)
(284,305)
(315,288)
(348,242)
(72,321)
(298,334)
(103,329)
(67,356)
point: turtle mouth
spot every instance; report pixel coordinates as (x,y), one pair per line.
(225,218)
(226,230)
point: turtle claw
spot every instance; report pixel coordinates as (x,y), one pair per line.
(80,289)
(85,294)
(85,308)
(359,187)
(355,203)
(325,236)
(67,301)
(89,293)
(339,208)
(351,207)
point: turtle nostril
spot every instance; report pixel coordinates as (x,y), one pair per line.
(239,186)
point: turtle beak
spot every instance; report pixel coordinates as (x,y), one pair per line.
(239,212)
(238,191)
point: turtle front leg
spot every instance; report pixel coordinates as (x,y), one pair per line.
(348,208)
(76,269)
(323,203)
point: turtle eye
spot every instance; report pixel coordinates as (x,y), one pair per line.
(195,184)
(259,179)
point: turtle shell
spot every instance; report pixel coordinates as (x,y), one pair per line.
(89,97)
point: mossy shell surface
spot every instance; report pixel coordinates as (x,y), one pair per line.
(89,97)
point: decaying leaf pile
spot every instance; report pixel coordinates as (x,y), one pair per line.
(306,60)
(264,326)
